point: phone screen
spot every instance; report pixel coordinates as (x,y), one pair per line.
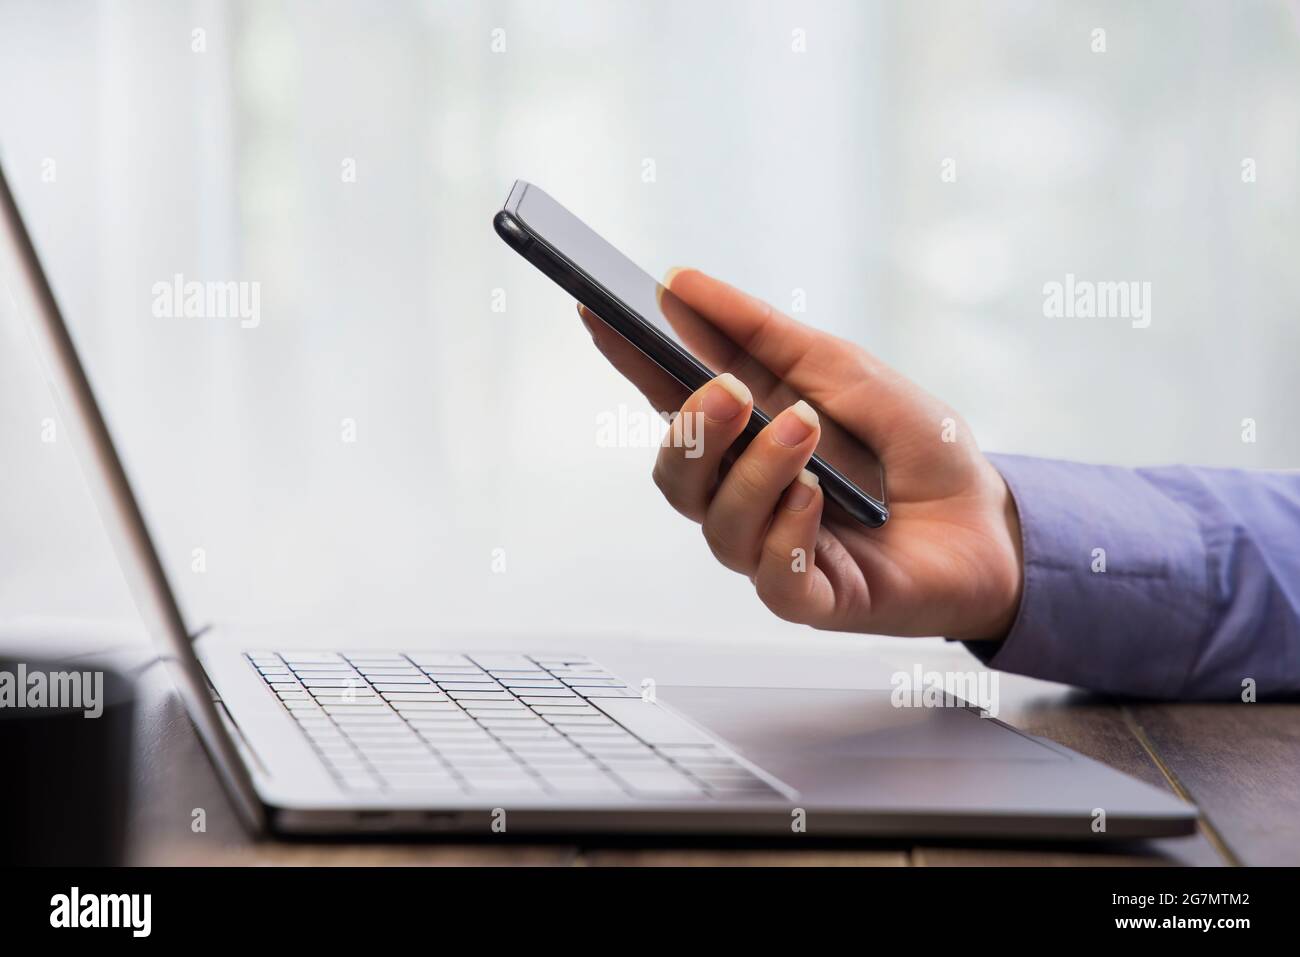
(704,350)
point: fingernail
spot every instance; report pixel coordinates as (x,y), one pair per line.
(667,281)
(795,424)
(582,314)
(802,491)
(724,398)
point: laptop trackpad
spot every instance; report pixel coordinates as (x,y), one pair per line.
(763,723)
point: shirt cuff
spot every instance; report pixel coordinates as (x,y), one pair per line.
(1115,595)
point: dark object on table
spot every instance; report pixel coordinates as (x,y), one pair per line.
(65,746)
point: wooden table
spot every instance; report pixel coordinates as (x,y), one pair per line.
(1240,763)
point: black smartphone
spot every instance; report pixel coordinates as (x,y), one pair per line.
(677,339)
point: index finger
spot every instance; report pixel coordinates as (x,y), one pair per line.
(665,393)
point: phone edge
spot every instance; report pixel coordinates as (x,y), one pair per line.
(517,234)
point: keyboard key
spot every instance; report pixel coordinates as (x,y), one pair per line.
(366,705)
(580,786)
(314,719)
(584,720)
(453,749)
(559,770)
(535,739)
(475,763)
(399,741)
(693,750)
(507,722)
(393,765)
(447,711)
(441,740)
(450,731)
(387,761)
(368,734)
(576,707)
(455,734)
(322,734)
(617,752)
(527,733)
(358,709)
(341,757)
(615,745)
(658,783)
(436,659)
(568,769)
(363,734)
(493,708)
(310,678)
(704,763)
(617,765)
(503,662)
(492,771)
(755,788)
(508,785)
(397,681)
(407,706)
(594,683)
(393,768)
(546,742)
(345,697)
(584,786)
(347,768)
(360,782)
(719,772)
(423,782)
(582,733)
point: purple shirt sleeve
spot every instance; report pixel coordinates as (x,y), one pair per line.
(1173,582)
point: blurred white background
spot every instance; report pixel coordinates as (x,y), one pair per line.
(776,169)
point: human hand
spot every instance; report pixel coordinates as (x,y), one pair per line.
(948,562)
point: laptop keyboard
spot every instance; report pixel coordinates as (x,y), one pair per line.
(463,725)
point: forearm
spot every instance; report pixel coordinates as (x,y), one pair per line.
(1174,582)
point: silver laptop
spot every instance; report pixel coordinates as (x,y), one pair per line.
(348,740)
